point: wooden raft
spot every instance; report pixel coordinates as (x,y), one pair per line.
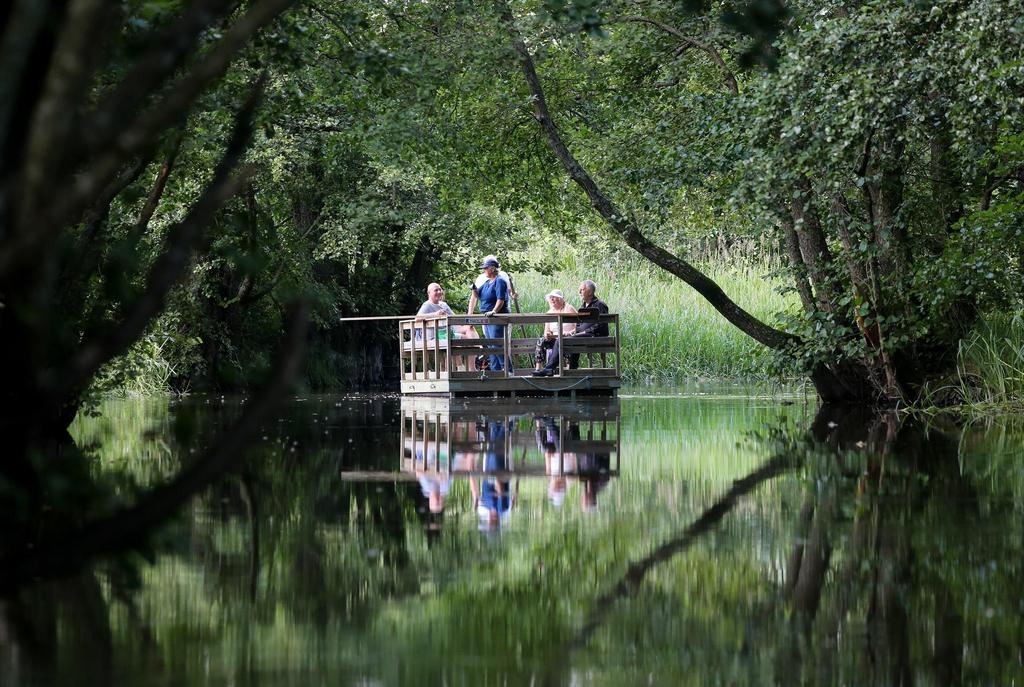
(435,362)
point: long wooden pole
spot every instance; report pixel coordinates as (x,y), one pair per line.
(379,317)
(515,304)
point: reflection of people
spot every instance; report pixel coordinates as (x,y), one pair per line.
(434,483)
(544,352)
(435,487)
(493,496)
(556,463)
(493,296)
(593,469)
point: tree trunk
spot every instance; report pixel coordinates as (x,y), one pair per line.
(796,264)
(813,246)
(625,226)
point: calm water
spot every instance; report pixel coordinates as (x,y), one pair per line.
(684,539)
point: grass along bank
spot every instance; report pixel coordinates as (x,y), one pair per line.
(990,370)
(668,330)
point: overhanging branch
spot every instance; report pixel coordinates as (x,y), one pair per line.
(182,239)
(689,41)
(623,225)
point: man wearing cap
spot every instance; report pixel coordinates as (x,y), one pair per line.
(493,296)
(474,294)
(544,357)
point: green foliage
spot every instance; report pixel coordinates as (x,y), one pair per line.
(989,374)
(912,101)
(397,146)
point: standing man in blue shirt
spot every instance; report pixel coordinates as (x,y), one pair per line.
(492,295)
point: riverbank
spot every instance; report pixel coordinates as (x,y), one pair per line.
(671,335)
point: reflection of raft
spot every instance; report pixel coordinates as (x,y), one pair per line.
(505,438)
(452,437)
(433,361)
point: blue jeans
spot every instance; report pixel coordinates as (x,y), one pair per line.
(495,331)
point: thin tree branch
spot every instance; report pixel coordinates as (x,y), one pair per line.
(623,225)
(636,572)
(716,57)
(138,135)
(95,216)
(181,240)
(992,184)
(157,192)
(169,48)
(25,21)
(796,263)
(52,128)
(86,254)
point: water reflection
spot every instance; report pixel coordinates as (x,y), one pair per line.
(495,446)
(740,542)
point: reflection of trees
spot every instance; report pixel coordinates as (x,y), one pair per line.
(707,520)
(74,534)
(880,575)
(74,613)
(291,562)
(893,569)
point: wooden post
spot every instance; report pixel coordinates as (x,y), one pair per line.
(412,348)
(437,352)
(423,353)
(447,348)
(401,350)
(618,356)
(561,351)
(507,343)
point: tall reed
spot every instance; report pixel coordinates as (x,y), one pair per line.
(668,330)
(990,368)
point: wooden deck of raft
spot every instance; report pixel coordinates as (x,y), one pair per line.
(437,365)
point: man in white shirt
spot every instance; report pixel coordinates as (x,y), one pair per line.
(432,309)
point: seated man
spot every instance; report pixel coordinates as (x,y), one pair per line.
(546,344)
(594,306)
(434,308)
(591,305)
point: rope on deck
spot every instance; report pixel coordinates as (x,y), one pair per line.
(556,390)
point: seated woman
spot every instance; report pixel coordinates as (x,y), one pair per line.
(546,343)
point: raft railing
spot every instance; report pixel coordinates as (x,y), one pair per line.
(429,351)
